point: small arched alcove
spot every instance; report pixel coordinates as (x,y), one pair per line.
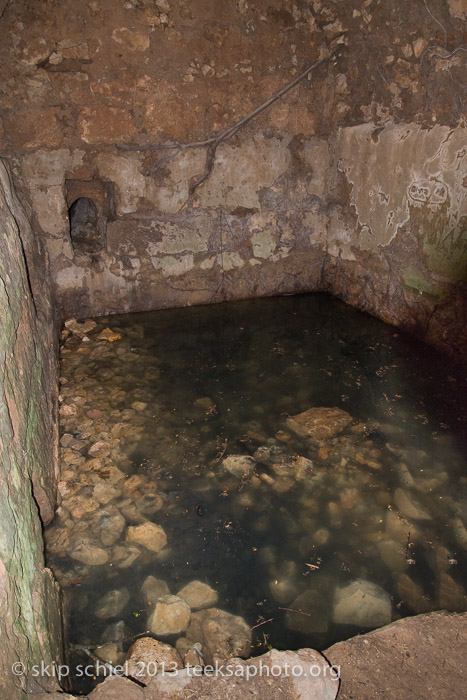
(85,229)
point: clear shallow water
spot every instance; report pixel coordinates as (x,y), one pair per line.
(383,502)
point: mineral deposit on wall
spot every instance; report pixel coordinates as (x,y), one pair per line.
(353,182)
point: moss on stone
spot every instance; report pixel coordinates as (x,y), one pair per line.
(416,281)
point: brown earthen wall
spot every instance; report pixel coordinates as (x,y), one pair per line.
(354,182)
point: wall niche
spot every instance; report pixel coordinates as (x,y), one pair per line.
(90,206)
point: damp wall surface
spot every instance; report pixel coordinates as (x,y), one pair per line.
(354,182)
(30,627)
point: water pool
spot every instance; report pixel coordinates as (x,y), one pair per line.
(184,419)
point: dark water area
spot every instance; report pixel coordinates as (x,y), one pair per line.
(296,540)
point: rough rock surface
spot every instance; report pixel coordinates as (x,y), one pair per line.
(117,688)
(320,423)
(171,616)
(414,658)
(146,657)
(239,465)
(198,595)
(88,552)
(112,603)
(402,660)
(315,617)
(266,220)
(148,535)
(153,589)
(363,604)
(30,628)
(409,506)
(268,677)
(302,198)
(221,634)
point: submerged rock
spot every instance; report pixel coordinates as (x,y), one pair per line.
(99,449)
(393,554)
(363,604)
(105,493)
(110,335)
(80,329)
(124,557)
(57,540)
(198,595)
(412,595)
(239,465)
(81,505)
(398,527)
(205,403)
(348,498)
(451,594)
(310,613)
(116,632)
(149,503)
(319,423)
(135,486)
(128,508)
(460,532)
(147,535)
(88,552)
(303,467)
(153,589)
(171,616)
(321,536)
(221,634)
(283,590)
(112,603)
(108,653)
(110,523)
(409,506)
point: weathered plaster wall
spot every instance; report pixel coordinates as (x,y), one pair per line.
(29,621)
(354,182)
(400,249)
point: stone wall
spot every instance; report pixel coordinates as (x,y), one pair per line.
(353,182)
(30,628)
(399,248)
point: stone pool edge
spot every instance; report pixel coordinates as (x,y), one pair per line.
(415,657)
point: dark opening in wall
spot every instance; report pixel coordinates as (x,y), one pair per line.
(91,207)
(85,233)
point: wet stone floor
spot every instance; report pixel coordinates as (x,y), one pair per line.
(282,473)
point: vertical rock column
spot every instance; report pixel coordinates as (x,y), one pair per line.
(30,627)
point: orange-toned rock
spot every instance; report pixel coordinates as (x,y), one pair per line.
(110,335)
(319,423)
(130,39)
(34,128)
(167,115)
(148,656)
(105,125)
(147,535)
